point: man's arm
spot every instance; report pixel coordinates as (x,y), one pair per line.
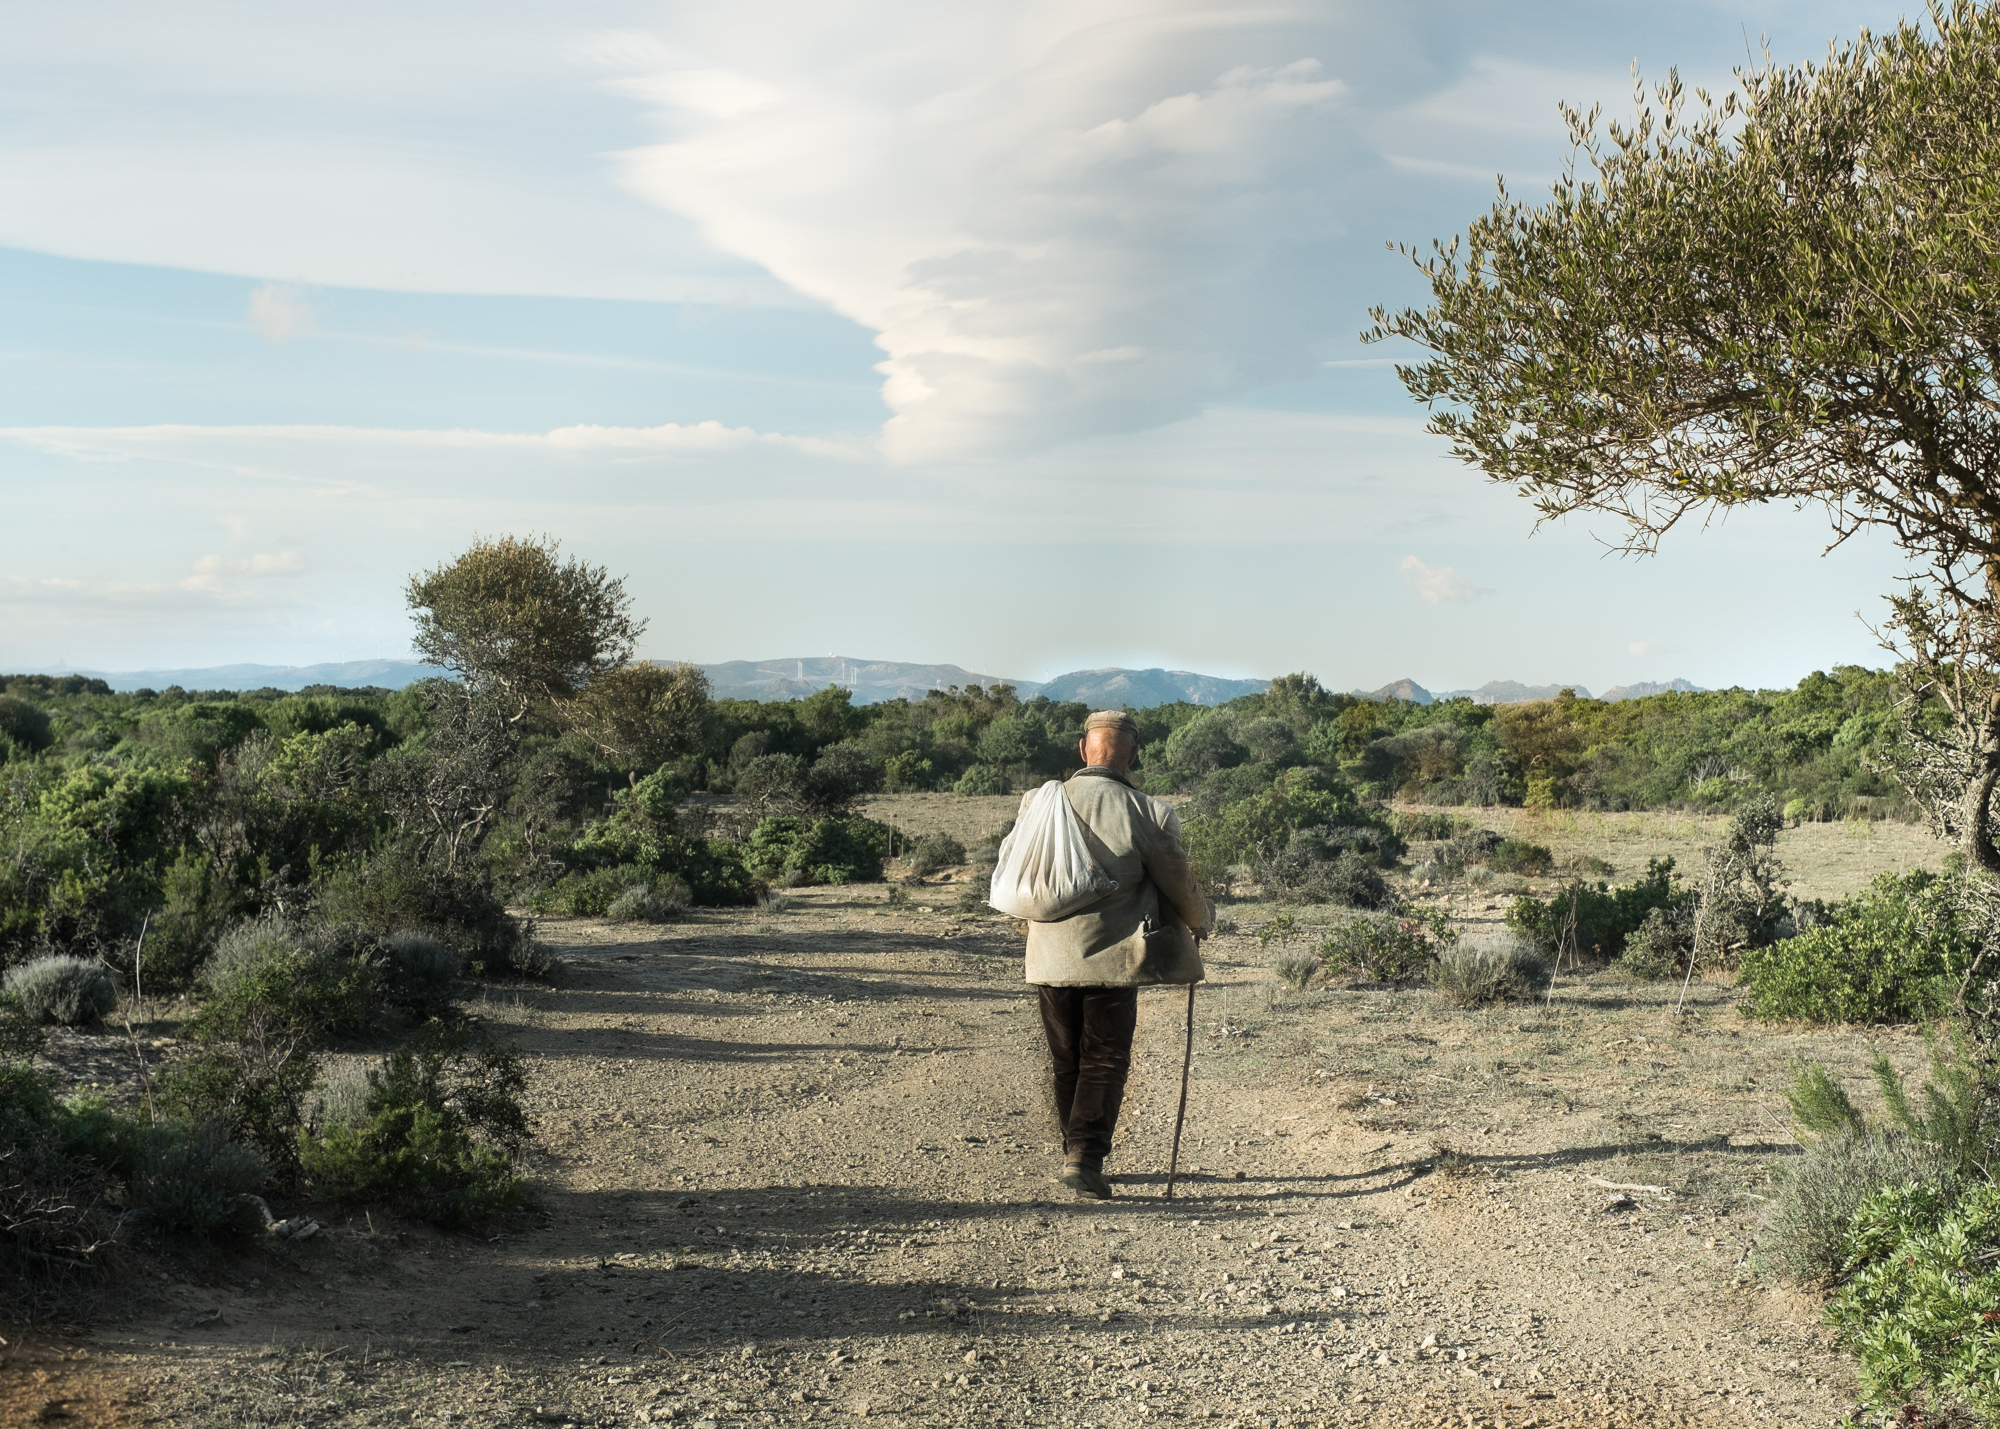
(1167,865)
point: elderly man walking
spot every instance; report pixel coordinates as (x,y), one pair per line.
(1088,967)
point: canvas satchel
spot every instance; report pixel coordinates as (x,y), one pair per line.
(1046,871)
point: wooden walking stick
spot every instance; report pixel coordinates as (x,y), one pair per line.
(1187,1060)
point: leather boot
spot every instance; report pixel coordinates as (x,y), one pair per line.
(1086,1180)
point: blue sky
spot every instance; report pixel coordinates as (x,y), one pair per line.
(1021,336)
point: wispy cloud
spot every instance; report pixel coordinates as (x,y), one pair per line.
(192,442)
(1438,585)
(212,572)
(279,312)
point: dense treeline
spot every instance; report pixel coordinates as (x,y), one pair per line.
(1815,747)
(182,812)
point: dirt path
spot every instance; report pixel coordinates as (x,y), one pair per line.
(798,1166)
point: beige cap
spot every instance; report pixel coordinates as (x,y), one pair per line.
(1112,719)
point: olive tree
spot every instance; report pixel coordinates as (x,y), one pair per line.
(1789,295)
(525,631)
(511,618)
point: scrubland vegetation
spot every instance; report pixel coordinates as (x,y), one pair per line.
(289,880)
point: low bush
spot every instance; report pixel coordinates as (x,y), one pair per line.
(1890,954)
(655,901)
(798,851)
(256,1091)
(439,1132)
(1318,866)
(1594,920)
(1295,969)
(1659,947)
(1476,974)
(627,892)
(70,992)
(1386,947)
(934,851)
(1419,827)
(393,892)
(983,779)
(53,1204)
(419,970)
(305,983)
(1531,860)
(196,1181)
(1805,1231)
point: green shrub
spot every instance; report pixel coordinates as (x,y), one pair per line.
(1387,947)
(589,894)
(642,838)
(1314,870)
(195,1180)
(1519,856)
(1476,974)
(1661,944)
(983,779)
(1918,1306)
(393,891)
(1890,954)
(255,1090)
(934,851)
(198,905)
(843,850)
(1428,827)
(24,724)
(305,983)
(1594,920)
(1264,824)
(1820,1106)
(439,1131)
(70,992)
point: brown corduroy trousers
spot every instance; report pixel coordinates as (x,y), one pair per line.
(1090,1048)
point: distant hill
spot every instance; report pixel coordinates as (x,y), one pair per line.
(1512,692)
(1650,687)
(1400,690)
(349,674)
(1143,689)
(871,681)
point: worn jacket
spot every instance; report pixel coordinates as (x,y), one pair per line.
(1140,932)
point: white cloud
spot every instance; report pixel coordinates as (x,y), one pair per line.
(1059,220)
(279,311)
(1436,585)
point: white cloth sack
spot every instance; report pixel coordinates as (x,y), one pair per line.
(1045,870)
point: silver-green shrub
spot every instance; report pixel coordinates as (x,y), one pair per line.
(340,1097)
(68,991)
(1475,974)
(419,968)
(655,902)
(1295,968)
(1806,1229)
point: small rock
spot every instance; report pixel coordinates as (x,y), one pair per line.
(972,1356)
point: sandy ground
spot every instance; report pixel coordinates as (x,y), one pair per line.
(797,1165)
